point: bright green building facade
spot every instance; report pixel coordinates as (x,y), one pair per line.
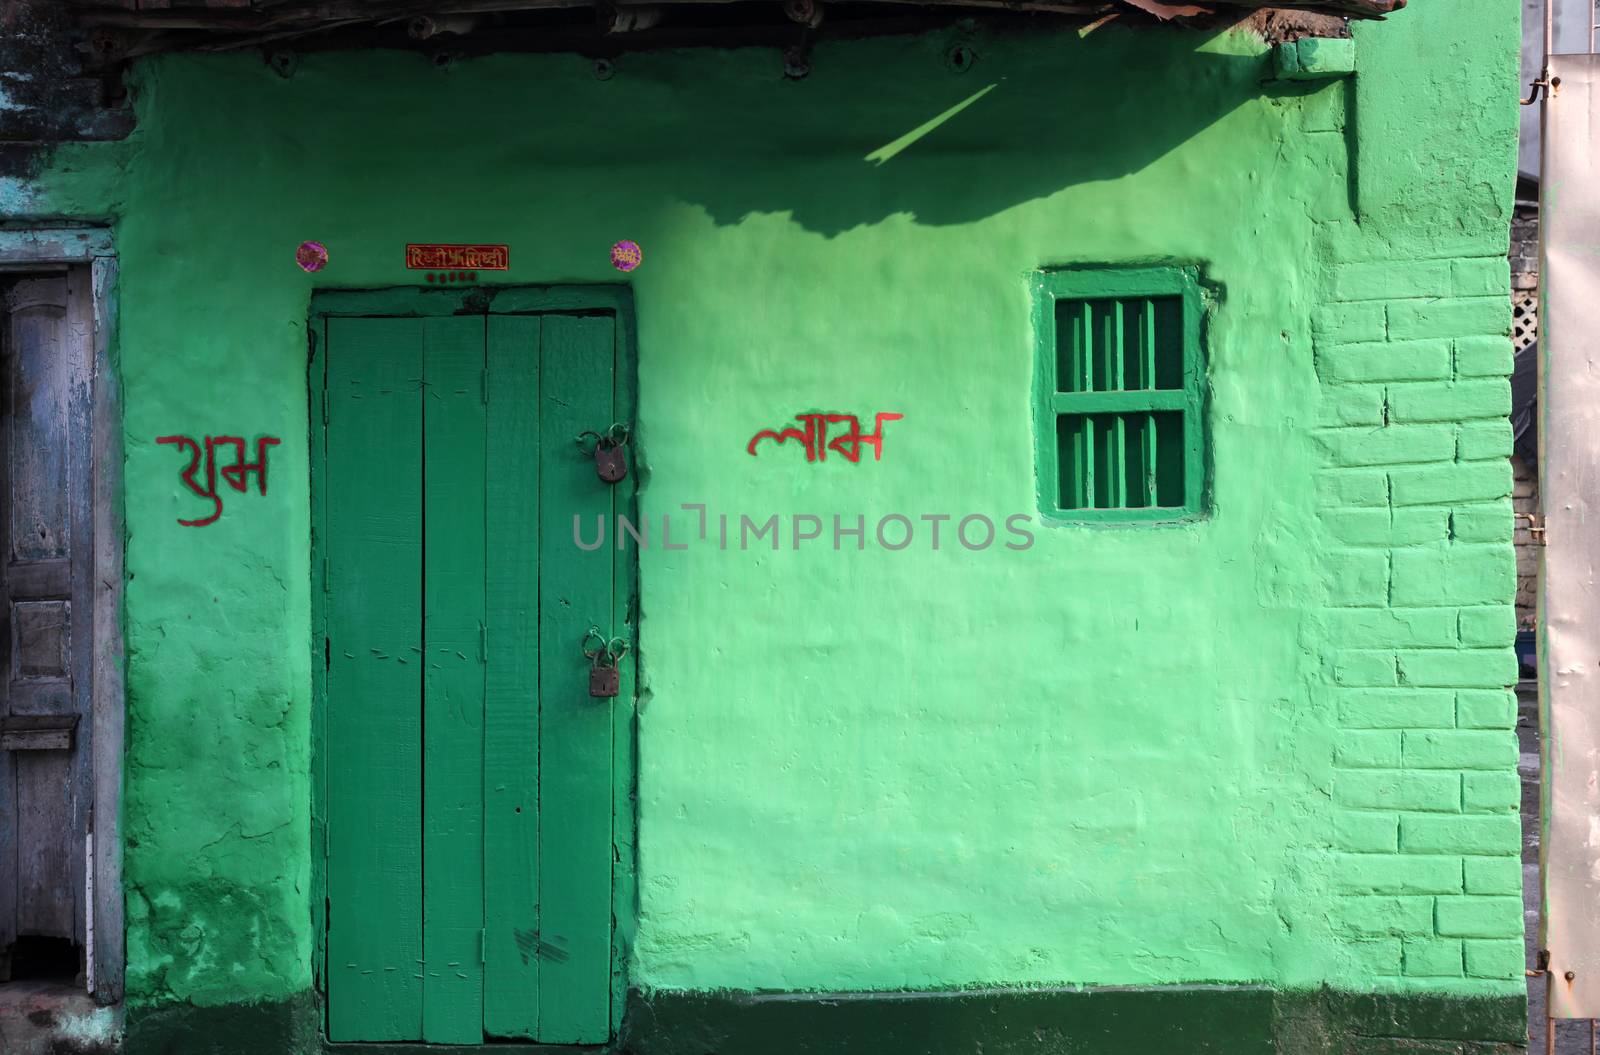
(1244,776)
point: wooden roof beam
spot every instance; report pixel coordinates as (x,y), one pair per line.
(239,16)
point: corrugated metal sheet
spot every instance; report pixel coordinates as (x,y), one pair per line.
(1570,577)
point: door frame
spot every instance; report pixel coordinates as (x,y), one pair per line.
(419,302)
(86,255)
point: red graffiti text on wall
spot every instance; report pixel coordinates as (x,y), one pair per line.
(814,436)
(235,474)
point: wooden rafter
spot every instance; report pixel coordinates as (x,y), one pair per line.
(277,16)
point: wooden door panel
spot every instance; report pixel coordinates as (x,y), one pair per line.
(42,376)
(511,719)
(374,682)
(41,639)
(44,862)
(577,369)
(454,418)
(41,578)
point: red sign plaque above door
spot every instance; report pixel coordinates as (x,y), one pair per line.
(432,257)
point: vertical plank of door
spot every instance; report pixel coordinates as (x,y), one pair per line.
(80,609)
(511,703)
(454,420)
(374,712)
(321,659)
(10,864)
(577,369)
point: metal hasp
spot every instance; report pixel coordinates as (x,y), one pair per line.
(1569,601)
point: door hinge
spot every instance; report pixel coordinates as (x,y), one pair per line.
(1535,526)
(483,642)
(483,946)
(327,654)
(484,378)
(324,406)
(324,574)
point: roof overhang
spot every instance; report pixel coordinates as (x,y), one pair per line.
(124,29)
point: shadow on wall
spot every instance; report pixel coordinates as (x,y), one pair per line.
(943,147)
(880,127)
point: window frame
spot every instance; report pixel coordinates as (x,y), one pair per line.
(1050,403)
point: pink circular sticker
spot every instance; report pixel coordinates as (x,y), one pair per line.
(625,256)
(311,256)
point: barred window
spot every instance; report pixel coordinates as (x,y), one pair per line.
(1121,415)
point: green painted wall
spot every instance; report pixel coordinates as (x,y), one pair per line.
(1270,746)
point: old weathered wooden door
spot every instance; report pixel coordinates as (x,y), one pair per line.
(469,772)
(45,602)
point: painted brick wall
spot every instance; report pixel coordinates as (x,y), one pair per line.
(1412,359)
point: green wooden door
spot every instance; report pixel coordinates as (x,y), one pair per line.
(468,771)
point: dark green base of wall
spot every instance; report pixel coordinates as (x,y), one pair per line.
(1334,1023)
(1179,1020)
(287,1027)
(1193,1020)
